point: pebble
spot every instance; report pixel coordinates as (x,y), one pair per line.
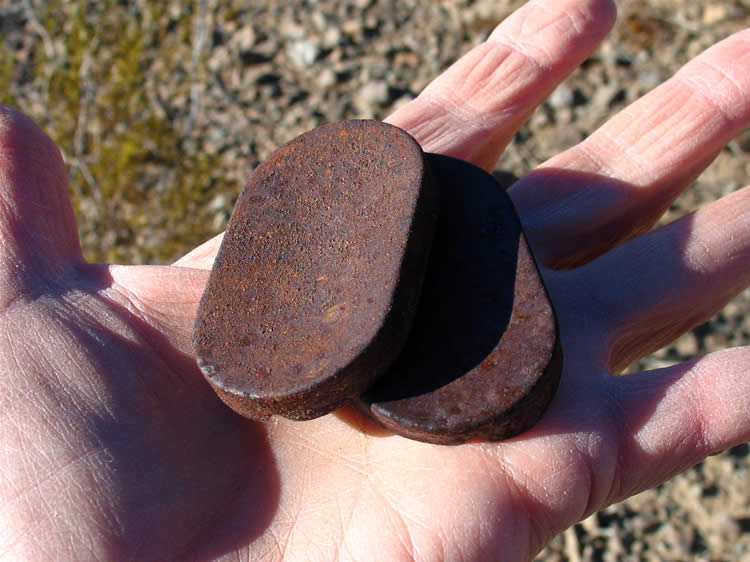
(714,13)
(372,95)
(303,52)
(687,345)
(563,96)
(326,78)
(603,96)
(243,39)
(649,78)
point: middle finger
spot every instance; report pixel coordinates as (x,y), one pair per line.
(474,108)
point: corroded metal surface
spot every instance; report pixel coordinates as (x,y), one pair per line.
(316,283)
(483,360)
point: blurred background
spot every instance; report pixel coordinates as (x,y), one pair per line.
(163,108)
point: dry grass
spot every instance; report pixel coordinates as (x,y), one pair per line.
(111,83)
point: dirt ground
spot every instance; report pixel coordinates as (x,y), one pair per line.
(164,108)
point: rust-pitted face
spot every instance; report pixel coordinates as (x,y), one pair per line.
(315,285)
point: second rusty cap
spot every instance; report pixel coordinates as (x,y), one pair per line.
(483,359)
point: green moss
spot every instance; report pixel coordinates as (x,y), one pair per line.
(7,68)
(140,181)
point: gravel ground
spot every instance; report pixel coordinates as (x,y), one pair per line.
(164,108)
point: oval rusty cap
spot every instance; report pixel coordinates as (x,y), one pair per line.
(483,359)
(316,282)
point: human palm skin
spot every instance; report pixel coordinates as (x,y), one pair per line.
(112,446)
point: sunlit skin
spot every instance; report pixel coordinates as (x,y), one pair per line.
(112,446)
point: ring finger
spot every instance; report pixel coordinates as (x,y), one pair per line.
(619,181)
(654,288)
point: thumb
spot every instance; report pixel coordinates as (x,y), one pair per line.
(38,234)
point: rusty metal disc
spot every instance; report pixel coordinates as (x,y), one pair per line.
(483,359)
(317,279)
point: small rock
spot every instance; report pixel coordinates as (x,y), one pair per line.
(729,529)
(352,27)
(406,58)
(540,119)
(219,203)
(291,30)
(687,345)
(218,58)
(332,37)
(318,19)
(371,95)
(562,97)
(402,101)
(243,39)
(565,137)
(603,96)
(303,52)
(326,78)
(714,13)
(219,221)
(649,78)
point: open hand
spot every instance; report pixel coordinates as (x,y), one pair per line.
(113,446)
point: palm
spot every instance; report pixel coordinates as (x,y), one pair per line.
(114,445)
(167,460)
